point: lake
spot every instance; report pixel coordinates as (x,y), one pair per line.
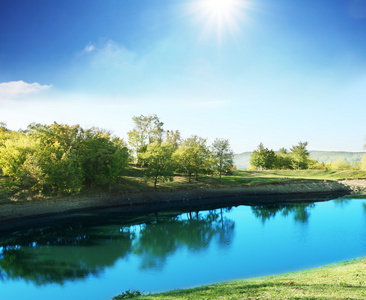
(97,255)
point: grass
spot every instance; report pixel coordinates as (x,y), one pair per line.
(136,182)
(345,280)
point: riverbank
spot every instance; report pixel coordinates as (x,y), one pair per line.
(344,280)
(34,209)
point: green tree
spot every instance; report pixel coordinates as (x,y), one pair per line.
(193,157)
(315,165)
(62,169)
(158,158)
(340,164)
(20,164)
(104,158)
(262,158)
(283,160)
(173,137)
(363,163)
(57,156)
(147,129)
(222,156)
(300,155)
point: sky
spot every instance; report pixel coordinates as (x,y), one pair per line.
(251,71)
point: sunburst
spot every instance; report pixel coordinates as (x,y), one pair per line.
(219,16)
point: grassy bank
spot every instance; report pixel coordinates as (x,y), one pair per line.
(136,181)
(346,280)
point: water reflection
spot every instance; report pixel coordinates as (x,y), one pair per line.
(194,231)
(74,251)
(64,258)
(342,202)
(300,211)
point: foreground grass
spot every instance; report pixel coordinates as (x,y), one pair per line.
(136,182)
(346,280)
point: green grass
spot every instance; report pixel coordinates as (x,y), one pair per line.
(346,280)
(136,182)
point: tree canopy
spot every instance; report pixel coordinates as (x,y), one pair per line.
(59,159)
(297,158)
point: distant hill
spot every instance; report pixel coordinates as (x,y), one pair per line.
(241,161)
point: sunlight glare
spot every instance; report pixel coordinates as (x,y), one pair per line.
(218,7)
(220,15)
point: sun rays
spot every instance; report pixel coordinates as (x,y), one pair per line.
(219,16)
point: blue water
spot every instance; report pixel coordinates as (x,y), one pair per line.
(171,250)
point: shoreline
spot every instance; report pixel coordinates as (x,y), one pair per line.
(339,280)
(20,211)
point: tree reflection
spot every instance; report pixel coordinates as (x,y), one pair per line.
(195,232)
(76,251)
(56,258)
(342,202)
(299,211)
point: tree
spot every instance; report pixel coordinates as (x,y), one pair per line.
(58,156)
(148,129)
(315,165)
(20,164)
(340,164)
(5,133)
(58,159)
(192,157)
(262,158)
(300,155)
(222,155)
(173,137)
(158,158)
(104,158)
(283,160)
(363,163)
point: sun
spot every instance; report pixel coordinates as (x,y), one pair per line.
(219,16)
(219,7)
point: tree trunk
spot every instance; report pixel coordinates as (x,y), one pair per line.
(155,181)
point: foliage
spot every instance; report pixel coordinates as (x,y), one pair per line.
(104,158)
(340,164)
(283,160)
(222,156)
(57,158)
(148,129)
(315,165)
(193,157)
(19,162)
(127,295)
(363,164)
(173,137)
(300,155)
(263,158)
(158,158)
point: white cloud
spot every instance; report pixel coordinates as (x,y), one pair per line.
(115,56)
(89,48)
(14,89)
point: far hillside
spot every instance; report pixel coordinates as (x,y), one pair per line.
(241,161)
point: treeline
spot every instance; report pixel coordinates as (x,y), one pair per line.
(298,157)
(164,152)
(62,159)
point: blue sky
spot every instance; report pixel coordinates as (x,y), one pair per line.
(276,72)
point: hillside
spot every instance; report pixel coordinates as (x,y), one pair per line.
(241,161)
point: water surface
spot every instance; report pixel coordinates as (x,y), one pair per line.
(99,255)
